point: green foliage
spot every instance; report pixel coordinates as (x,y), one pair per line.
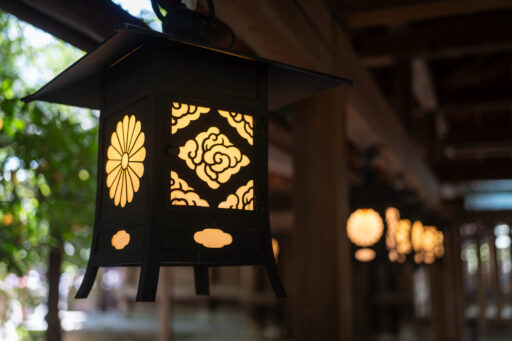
(47,157)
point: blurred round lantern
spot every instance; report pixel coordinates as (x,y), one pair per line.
(427,243)
(398,235)
(364,228)
(416,235)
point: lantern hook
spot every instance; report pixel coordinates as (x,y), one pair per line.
(186,24)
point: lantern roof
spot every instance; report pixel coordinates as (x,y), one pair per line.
(80,84)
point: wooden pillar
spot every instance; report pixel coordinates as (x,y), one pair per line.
(322,260)
(437,297)
(481,319)
(453,285)
(495,275)
(163,302)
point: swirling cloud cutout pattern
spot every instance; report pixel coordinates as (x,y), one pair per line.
(213,238)
(214,158)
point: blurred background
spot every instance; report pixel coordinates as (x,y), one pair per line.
(426,130)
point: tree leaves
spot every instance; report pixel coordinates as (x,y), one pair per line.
(43,148)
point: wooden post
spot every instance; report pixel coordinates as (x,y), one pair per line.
(322,259)
(52,318)
(452,284)
(164,302)
(437,298)
(495,275)
(482,319)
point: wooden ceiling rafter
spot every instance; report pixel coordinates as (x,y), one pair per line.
(414,11)
(289,31)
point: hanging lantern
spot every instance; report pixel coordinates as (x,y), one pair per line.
(398,236)
(364,229)
(182,175)
(427,242)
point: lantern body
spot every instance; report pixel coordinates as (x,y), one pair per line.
(182,160)
(200,195)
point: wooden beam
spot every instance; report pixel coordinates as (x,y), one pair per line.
(466,170)
(479,135)
(97,18)
(48,24)
(442,38)
(82,23)
(423,11)
(286,31)
(485,106)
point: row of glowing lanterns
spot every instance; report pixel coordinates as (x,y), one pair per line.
(365,227)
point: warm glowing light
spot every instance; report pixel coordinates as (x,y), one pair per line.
(428,243)
(213,238)
(393,256)
(392,218)
(184,195)
(398,235)
(364,227)
(403,237)
(183,114)
(416,235)
(242,123)
(364,255)
(275,248)
(120,239)
(243,199)
(125,157)
(7,219)
(214,158)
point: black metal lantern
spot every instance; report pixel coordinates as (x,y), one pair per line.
(182,174)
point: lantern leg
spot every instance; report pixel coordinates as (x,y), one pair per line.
(275,280)
(87,282)
(148,282)
(202,280)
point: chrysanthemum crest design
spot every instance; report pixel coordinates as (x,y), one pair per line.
(125,156)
